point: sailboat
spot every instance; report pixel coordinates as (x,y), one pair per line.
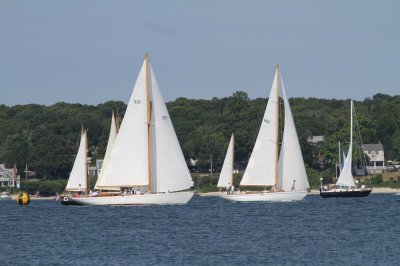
(100,183)
(226,177)
(78,178)
(284,174)
(346,185)
(146,160)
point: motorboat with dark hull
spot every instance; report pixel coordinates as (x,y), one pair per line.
(345,193)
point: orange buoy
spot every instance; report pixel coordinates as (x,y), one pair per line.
(23,198)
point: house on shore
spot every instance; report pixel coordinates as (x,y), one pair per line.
(9,177)
(376,156)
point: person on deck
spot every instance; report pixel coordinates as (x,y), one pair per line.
(228,188)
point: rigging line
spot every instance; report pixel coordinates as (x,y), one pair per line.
(361,142)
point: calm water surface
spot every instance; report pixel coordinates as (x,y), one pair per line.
(207,231)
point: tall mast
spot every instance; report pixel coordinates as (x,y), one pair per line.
(233,156)
(116,122)
(277,129)
(340,162)
(148,120)
(351,127)
(86,162)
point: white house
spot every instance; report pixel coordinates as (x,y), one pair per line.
(9,177)
(376,155)
(315,140)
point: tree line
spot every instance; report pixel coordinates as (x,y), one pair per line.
(47,137)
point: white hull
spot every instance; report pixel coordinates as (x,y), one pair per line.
(266,196)
(5,196)
(142,199)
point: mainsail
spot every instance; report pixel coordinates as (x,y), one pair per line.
(292,173)
(171,172)
(78,178)
(226,176)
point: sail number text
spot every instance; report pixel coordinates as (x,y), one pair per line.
(266,121)
(137,101)
(164,117)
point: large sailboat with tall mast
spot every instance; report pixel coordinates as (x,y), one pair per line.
(283,173)
(346,185)
(146,158)
(78,178)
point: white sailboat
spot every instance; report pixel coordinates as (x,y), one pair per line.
(226,177)
(345,185)
(100,183)
(285,173)
(78,178)
(146,156)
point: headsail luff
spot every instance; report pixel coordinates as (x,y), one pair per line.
(277,130)
(148,121)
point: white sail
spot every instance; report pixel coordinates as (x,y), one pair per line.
(346,178)
(172,173)
(261,169)
(78,178)
(292,173)
(226,176)
(128,162)
(110,143)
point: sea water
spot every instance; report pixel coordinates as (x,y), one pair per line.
(206,231)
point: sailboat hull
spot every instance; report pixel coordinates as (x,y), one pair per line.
(335,193)
(266,196)
(142,199)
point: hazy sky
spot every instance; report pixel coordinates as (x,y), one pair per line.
(91,51)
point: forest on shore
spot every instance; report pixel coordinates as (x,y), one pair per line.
(46,138)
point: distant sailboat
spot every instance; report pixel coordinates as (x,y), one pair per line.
(100,184)
(146,158)
(78,178)
(226,177)
(345,185)
(285,173)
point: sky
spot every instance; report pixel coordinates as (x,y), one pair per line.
(91,51)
